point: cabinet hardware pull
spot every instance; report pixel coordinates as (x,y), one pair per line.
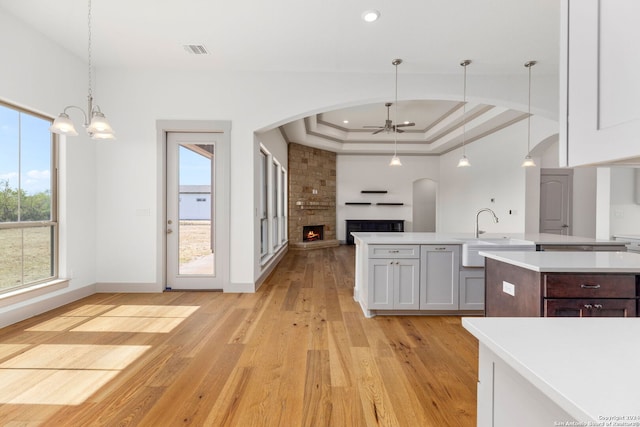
(440,249)
(598,306)
(588,306)
(585,286)
(394,251)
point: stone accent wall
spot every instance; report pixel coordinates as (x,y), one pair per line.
(312,192)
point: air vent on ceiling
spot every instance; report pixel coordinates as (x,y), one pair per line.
(196,49)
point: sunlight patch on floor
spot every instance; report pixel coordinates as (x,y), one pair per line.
(124,318)
(154,325)
(7,350)
(58,324)
(63,374)
(153,311)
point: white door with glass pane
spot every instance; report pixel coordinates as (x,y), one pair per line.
(194,228)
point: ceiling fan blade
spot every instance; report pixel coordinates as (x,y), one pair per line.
(378,131)
(373,127)
(399,130)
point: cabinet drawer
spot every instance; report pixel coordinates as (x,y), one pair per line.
(590,307)
(589,286)
(394,251)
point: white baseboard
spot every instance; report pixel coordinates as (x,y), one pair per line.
(27,311)
(128,288)
(240,288)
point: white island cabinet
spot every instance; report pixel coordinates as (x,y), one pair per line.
(536,372)
(394,273)
(440,271)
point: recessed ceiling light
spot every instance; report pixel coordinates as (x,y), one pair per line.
(406,122)
(345,121)
(371,15)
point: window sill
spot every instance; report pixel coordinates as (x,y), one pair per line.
(24,294)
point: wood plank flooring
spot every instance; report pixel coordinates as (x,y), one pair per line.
(298,352)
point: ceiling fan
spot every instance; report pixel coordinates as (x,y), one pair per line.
(388,124)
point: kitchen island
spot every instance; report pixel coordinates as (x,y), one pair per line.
(423,273)
(557,372)
(567,284)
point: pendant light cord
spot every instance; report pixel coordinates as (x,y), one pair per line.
(395,118)
(464,106)
(89,52)
(529,112)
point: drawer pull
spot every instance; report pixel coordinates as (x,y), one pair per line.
(588,306)
(441,249)
(585,286)
(394,251)
(598,306)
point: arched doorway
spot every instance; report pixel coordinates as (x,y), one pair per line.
(425,193)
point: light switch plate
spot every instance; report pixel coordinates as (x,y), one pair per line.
(509,288)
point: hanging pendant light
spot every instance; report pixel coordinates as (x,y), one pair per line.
(95,121)
(528,161)
(464,162)
(395,160)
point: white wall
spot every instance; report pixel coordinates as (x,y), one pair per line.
(584,201)
(108,183)
(625,211)
(356,173)
(495,174)
(40,76)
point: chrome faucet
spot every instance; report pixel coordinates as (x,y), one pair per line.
(477,232)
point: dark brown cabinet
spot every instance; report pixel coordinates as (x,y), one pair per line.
(513,291)
(589,295)
(589,307)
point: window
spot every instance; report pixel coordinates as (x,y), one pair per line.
(264,191)
(28,216)
(275,172)
(283,206)
(273,204)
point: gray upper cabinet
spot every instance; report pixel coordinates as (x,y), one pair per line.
(599,86)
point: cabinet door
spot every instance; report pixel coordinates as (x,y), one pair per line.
(472,289)
(381,277)
(406,284)
(599,89)
(439,277)
(590,308)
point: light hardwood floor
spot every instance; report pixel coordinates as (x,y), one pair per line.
(298,352)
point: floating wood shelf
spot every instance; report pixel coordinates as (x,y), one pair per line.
(389,204)
(374,191)
(358,203)
(315,205)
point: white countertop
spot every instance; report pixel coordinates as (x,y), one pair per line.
(587,366)
(570,262)
(410,238)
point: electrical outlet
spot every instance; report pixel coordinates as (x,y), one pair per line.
(509,288)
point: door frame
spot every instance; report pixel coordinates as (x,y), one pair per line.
(223,153)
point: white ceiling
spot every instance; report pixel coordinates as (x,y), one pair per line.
(431,36)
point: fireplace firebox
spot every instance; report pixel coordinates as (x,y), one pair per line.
(312,233)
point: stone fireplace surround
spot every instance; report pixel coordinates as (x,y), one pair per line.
(312,195)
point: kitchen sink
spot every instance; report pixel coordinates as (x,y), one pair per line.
(471,249)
